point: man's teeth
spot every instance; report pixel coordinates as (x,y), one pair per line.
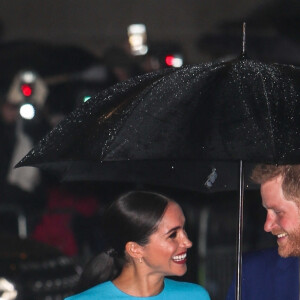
(281,235)
(179,257)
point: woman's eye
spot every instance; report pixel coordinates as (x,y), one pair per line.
(173,235)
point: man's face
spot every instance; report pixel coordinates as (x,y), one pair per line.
(282,219)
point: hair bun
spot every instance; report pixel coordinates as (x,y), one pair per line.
(111,252)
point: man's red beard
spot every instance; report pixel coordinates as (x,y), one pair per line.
(291,246)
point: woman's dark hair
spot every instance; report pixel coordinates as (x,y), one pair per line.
(134,216)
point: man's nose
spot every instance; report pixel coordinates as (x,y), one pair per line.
(270,222)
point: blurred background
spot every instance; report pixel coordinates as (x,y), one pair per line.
(56,54)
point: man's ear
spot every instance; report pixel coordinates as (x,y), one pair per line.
(134,250)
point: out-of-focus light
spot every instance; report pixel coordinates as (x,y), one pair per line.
(7,290)
(174,61)
(27,112)
(28,77)
(169,60)
(137,38)
(86,98)
(26,89)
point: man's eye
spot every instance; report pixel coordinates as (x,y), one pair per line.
(173,235)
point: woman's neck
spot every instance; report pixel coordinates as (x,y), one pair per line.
(134,281)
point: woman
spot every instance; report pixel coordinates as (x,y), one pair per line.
(147,241)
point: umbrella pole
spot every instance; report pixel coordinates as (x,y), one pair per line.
(239,245)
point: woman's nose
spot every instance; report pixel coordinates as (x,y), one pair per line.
(186,241)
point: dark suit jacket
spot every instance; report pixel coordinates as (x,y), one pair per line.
(267,276)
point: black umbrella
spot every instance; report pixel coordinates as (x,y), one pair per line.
(228,111)
(179,119)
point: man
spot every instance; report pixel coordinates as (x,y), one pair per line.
(268,274)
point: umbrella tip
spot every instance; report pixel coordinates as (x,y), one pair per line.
(244,40)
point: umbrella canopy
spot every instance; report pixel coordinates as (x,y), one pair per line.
(228,111)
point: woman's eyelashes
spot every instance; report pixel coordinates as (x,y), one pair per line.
(173,235)
(174,232)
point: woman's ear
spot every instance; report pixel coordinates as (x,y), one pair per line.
(134,250)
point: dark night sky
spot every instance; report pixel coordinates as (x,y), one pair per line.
(97,23)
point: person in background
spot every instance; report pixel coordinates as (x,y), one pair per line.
(15,143)
(146,241)
(274,273)
(17,186)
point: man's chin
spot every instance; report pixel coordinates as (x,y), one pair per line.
(287,252)
(283,253)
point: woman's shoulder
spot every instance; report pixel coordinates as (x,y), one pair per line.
(104,289)
(173,289)
(188,289)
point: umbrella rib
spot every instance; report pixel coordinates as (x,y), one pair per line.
(269,118)
(140,95)
(109,114)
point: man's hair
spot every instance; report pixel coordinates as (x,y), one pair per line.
(290,178)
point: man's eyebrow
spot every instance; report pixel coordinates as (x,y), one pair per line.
(173,229)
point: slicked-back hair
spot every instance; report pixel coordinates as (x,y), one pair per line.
(133,217)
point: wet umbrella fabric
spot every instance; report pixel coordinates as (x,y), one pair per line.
(237,111)
(231,111)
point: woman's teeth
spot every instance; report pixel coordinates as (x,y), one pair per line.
(179,257)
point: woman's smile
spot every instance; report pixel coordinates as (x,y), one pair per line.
(180,258)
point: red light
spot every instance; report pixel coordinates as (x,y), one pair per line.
(26,90)
(169,60)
